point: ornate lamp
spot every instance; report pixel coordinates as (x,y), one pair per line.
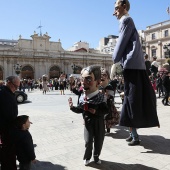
(17,68)
(74,67)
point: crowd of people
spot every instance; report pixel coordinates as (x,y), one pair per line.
(159,78)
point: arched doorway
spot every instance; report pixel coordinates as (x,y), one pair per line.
(27,72)
(1,74)
(54,72)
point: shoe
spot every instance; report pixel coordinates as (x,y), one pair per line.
(86,162)
(134,142)
(98,162)
(107,133)
(166,104)
(129,139)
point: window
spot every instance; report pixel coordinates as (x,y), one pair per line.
(166,33)
(153,36)
(153,52)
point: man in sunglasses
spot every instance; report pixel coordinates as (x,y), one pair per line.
(8,113)
(139,106)
(93,107)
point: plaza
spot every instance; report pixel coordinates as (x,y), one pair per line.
(59,142)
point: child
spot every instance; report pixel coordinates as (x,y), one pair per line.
(24,143)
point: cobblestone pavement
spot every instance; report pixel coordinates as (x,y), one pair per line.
(59,143)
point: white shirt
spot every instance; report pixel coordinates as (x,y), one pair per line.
(155,63)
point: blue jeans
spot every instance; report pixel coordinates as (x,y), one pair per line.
(134,134)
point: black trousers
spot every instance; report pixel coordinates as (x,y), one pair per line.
(94,131)
(8,154)
(167,94)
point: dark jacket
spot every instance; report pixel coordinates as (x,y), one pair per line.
(96,102)
(24,145)
(166,83)
(78,93)
(128,49)
(8,107)
(148,66)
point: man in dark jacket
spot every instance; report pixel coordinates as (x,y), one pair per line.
(93,107)
(8,113)
(147,64)
(166,84)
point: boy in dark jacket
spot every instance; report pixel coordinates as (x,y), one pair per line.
(24,143)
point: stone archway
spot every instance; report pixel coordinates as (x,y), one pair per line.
(1,73)
(27,72)
(54,72)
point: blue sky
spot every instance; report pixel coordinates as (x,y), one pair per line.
(74,20)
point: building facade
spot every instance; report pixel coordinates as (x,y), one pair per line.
(107,44)
(157,36)
(39,56)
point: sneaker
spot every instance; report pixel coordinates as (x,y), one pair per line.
(134,142)
(129,139)
(86,162)
(98,162)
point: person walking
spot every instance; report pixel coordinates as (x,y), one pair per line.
(147,64)
(93,107)
(8,113)
(139,106)
(154,66)
(166,84)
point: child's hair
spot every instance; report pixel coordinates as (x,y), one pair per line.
(20,120)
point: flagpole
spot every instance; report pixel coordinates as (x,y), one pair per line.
(39,27)
(168,11)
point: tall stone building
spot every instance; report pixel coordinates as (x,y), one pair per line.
(39,55)
(157,36)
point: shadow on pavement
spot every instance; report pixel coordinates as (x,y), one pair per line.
(118,166)
(154,143)
(40,165)
(120,133)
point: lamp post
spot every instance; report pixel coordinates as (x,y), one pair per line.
(166,48)
(17,68)
(74,67)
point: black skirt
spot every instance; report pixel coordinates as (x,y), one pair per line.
(139,106)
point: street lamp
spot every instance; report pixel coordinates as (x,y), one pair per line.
(17,68)
(166,48)
(74,67)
